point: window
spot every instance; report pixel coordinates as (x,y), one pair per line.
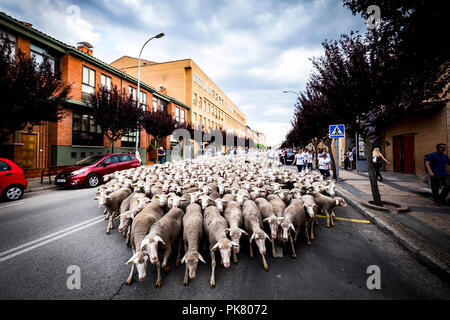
(195,117)
(162,105)
(182,118)
(105,81)
(125,157)
(200,82)
(111,159)
(155,104)
(206,86)
(129,140)
(200,102)
(88,83)
(4,166)
(132,92)
(195,98)
(177,114)
(39,54)
(143,99)
(12,41)
(85,132)
(195,77)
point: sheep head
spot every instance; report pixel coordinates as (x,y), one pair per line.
(191,259)
(235,235)
(140,261)
(224,246)
(150,246)
(260,240)
(273,224)
(286,226)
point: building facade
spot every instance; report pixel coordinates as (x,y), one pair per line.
(185,81)
(76,136)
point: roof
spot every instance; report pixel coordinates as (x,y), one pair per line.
(61,47)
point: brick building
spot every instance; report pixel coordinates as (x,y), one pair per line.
(76,136)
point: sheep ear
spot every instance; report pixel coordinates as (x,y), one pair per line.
(234,244)
(267,236)
(292,227)
(243,232)
(201,258)
(337,202)
(96,198)
(131,260)
(158,239)
(266,220)
(182,259)
(215,246)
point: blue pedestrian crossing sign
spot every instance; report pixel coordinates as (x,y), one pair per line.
(337,131)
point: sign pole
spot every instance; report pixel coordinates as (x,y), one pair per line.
(337,159)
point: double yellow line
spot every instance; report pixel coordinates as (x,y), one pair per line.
(345,219)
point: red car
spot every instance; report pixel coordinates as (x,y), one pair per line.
(12,180)
(90,171)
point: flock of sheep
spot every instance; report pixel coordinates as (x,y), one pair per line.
(216,200)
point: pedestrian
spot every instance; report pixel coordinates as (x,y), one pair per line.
(310,159)
(346,161)
(270,154)
(353,157)
(324,165)
(378,159)
(162,155)
(299,160)
(350,158)
(305,159)
(138,156)
(436,164)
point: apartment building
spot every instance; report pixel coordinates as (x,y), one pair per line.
(76,136)
(185,81)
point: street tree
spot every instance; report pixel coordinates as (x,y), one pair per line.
(159,124)
(31,92)
(116,112)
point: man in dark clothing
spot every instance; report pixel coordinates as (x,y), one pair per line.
(436,164)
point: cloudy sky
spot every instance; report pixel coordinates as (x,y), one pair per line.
(252,49)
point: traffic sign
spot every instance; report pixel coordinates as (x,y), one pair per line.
(337,131)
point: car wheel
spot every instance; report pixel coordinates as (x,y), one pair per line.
(13,192)
(93,180)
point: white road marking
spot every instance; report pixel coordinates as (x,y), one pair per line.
(11,253)
(12,204)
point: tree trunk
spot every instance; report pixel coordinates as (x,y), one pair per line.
(372,175)
(333,164)
(111,144)
(157,150)
(316,144)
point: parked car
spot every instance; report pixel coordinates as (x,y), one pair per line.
(91,170)
(289,156)
(12,180)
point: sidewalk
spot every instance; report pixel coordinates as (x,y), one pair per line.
(35,184)
(424,229)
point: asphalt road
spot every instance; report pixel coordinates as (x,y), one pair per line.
(46,232)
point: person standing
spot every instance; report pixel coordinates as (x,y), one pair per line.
(162,155)
(270,154)
(298,159)
(310,159)
(378,159)
(350,158)
(324,165)
(436,164)
(353,157)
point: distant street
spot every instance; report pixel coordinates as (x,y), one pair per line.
(46,232)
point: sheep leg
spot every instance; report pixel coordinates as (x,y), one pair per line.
(186,279)
(328,218)
(296,234)
(212,281)
(251,250)
(332,217)
(274,254)
(166,257)
(294,255)
(177,263)
(312,230)
(128,241)
(266,267)
(308,242)
(110,225)
(235,260)
(130,277)
(158,278)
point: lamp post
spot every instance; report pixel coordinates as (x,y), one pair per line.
(160,35)
(286,91)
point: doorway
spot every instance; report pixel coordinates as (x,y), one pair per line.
(29,156)
(404,154)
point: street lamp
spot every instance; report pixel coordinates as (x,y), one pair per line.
(160,35)
(286,91)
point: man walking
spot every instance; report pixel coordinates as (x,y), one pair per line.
(436,164)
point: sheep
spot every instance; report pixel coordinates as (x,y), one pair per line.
(192,235)
(268,215)
(294,218)
(166,230)
(214,225)
(112,203)
(311,208)
(327,204)
(139,229)
(253,224)
(235,218)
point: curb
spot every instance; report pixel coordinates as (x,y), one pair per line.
(43,187)
(423,256)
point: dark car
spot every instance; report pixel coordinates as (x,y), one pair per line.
(90,171)
(12,180)
(288,157)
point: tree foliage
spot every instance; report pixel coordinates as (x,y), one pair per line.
(30,92)
(159,124)
(116,112)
